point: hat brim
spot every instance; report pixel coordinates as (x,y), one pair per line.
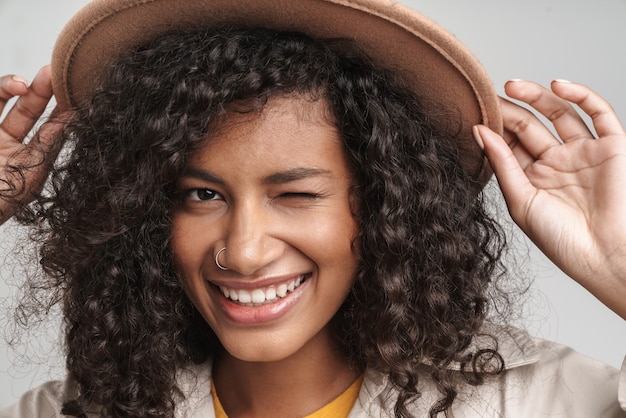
(433,61)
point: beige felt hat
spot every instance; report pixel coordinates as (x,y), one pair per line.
(440,67)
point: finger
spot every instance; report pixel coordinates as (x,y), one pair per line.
(530,131)
(566,120)
(523,156)
(515,185)
(604,119)
(11,86)
(521,153)
(28,108)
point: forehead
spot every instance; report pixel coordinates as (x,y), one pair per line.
(296,108)
(280,120)
(287,130)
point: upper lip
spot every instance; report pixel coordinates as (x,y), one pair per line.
(252,283)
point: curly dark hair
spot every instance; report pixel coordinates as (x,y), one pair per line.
(428,251)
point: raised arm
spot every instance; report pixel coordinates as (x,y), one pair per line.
(567,193)
(24,165)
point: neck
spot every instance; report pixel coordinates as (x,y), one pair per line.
(294,386)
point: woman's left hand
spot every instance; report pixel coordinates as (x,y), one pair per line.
(568,194)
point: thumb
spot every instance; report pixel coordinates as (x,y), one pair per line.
(515,185)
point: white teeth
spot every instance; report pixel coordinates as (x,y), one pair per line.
(244,296)
(281,292)
(270,293)
(260,296)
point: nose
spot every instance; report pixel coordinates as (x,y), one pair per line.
(250,239)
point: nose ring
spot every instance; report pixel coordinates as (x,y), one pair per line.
(217,261)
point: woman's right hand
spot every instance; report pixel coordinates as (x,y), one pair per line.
(33,156)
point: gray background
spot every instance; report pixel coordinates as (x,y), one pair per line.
(532,39)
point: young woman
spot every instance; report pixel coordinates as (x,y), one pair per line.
(252,221)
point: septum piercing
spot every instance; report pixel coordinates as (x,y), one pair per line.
(217,261)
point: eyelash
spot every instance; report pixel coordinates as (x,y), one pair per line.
(193,194)
(300,195)
(211,195)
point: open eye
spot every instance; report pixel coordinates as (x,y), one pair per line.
(202,195)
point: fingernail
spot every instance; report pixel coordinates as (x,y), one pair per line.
(477,137)
(560,80)
(20,80)
(514,80)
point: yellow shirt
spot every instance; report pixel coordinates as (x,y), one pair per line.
(340,407)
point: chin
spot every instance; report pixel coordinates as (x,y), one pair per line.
(260,351)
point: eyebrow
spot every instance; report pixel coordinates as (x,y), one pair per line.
(280,177)
(295,174)
(203,175)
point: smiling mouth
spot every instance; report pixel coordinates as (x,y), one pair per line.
(262,296)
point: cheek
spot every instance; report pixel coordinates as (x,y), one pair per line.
(335,245)
(347,252)
(187,245)
(180,241)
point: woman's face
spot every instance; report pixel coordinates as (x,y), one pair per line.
(273,189)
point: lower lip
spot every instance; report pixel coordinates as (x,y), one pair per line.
(250,315)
